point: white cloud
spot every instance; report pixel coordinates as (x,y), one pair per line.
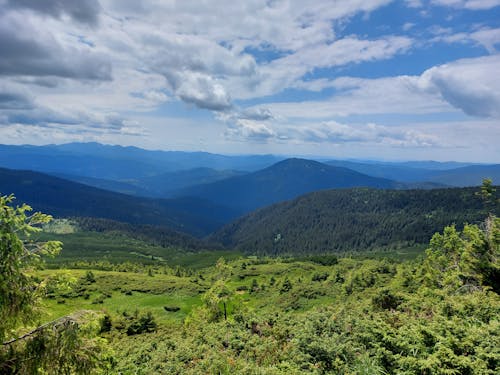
(329,132)
(200,89)
(337,133)
(487,37)
(29,49)
(471,85)
(359,96)
(249,130)
(469,4)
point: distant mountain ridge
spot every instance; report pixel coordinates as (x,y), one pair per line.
(447,174)
(284,180)
(120,163)
(162,185)
(65,198)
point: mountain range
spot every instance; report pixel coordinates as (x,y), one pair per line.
(303,206)
(65,198)
(284,180)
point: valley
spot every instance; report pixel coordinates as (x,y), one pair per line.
(299,267)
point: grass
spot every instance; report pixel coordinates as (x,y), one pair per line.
(118,292)
(118,248)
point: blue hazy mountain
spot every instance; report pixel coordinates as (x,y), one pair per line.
(163,185)
(282,181)
(166,184)
(120,163)
(447,174)
(467,176)
(64,198)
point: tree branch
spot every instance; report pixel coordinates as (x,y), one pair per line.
(65,320)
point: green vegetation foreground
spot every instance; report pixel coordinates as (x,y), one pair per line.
(320,315)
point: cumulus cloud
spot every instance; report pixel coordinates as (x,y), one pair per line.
(249,130)
(199,89)
(28,49)
(330,132)
(288,71)
(489,38)
(471,85)
(337,133)
(18,107)
(85,11)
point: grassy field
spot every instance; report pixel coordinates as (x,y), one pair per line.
(118,248)
(361,314)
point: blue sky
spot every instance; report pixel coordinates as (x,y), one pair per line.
(378,79)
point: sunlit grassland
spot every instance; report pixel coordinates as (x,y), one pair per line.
(118,248)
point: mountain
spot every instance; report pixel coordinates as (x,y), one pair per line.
(468,176)
(350,220)
(284,180)
(431,164)
(396,172)
(158,186)
(166,184)
(112,185)
(65,198)
(120,163)
(439,174)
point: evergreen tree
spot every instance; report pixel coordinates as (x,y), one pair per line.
(62,346)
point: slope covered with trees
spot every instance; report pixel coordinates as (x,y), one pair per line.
(66,198)
(351,220)
(284,180)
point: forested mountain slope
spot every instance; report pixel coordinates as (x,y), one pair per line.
(284,180)
(351,219)
(64,198)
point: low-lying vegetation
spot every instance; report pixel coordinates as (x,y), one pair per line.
(433,315)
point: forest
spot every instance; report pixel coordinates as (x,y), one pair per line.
(436,313)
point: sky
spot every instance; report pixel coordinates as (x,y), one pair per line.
(358,79)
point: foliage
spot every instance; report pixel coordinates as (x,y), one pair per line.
(66,345)
(19,291)
(352,220)
(465,260)
(358,316)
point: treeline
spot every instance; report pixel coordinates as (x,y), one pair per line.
(352,220)
(150,234)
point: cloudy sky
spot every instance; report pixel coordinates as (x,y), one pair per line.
(379,79)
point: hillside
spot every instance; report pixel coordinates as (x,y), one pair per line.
(282,181)
(468,176)
(165,184)
(351,220)
(161,185)
(120,163)
(64,198)
(403,173)
(444,174)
